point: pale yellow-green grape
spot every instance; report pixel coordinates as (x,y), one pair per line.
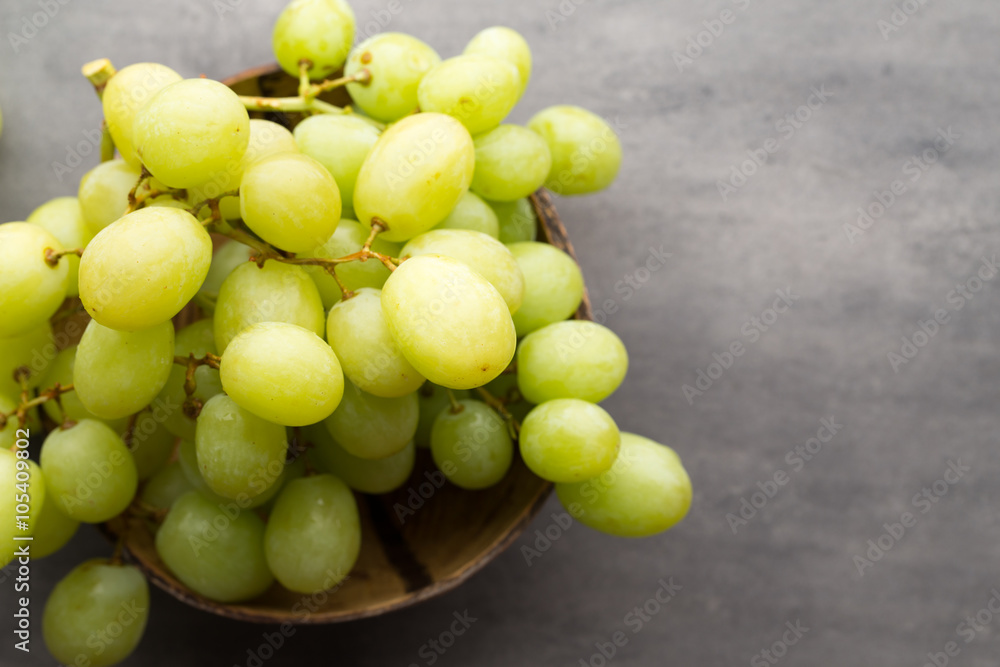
(517,220)
(191,132)
(53,530)
(225,260)
(118,373)
(63,218)
(339,143)
(433,399)
(477,90)
(89,471)
(473,213)
(372,427)
(511,163)
(291,201)
(148,439)
(415,174)
(553,285)
(568,440)
(60,372)
(238,452)
(96,614)
(30,289)
(480,252)
(348,239)
(645,492)
(197,339)
(215,551)
(25,493)
(129,89)
(357,332)
(8,434)
(452,325)
(103,192)
(472,446)
(143,269)
(35,350)
(282,373)
(572,359)
(320,31)
(166,486)
(586,153)
(187,456)
(506,44)
(275,293)
(397,62)
(364,475)
(313,535)
(267,138)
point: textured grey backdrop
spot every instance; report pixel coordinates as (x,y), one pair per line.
(884,92)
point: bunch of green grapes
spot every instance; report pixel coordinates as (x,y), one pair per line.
(229,293)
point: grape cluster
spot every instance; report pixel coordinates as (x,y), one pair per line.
(365,284)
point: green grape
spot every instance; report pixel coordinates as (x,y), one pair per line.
(506,44)
(568,440)
(348,239)
(60,372)
(553,285)
(572,359)
(143,269)
(282,373)
(89,470)
(275,293)
(414,175)
(517,220)
(103,192)
(167,485)
(267,138)
(291,201)
(313,535)
(31,290)
(226,259)
(397,62)
(586,153)
(365,475)
(8,434)
(320,31)
(24,495)
(236,449)
(148,440)
(472,446)
(124,94)
(452,325)
(433,399)
(511,163)
(63,218)
(480,252)
(217,552)
(477,90)
(372,361)
(645,492)
(33,350)
(372,427)
(53,530)
(339,143)
(191,132)
(96,614)
(473,213)
(187,455)
(197,339)
(118,373)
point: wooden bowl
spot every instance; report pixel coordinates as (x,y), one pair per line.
(417,542)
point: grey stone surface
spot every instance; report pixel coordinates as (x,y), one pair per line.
(782,230)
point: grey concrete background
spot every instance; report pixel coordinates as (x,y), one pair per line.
(827,357)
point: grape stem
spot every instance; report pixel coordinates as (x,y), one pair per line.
(192,405)
(21,411)
(99,72)
(194,210)
(107,143)
(132,201)
(500,406)
(152,193)
(52,257)
(456,407)
(290,104)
